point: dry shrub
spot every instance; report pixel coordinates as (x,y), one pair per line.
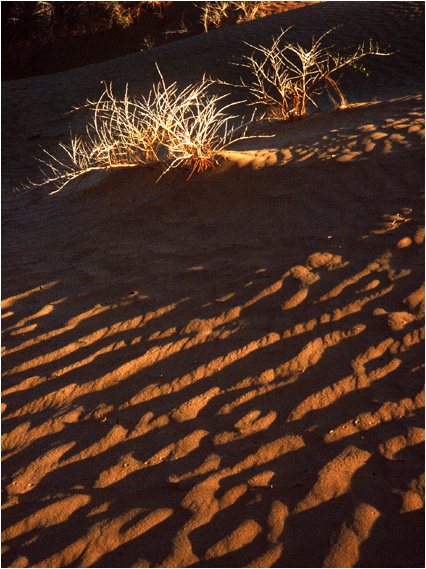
(186,128)
(286,77)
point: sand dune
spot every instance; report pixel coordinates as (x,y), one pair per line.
(225,371)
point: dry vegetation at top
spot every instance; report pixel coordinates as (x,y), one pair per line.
(218,14)
(45,37)
(45,21)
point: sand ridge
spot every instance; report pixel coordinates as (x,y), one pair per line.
(225,371)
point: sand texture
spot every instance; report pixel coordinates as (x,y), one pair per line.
(225,371)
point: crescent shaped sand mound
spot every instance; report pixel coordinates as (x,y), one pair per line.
(225,371)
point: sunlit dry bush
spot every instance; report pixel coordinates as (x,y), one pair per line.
(286,77)
(186,128)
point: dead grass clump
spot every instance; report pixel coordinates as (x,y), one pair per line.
(186,128)
(286,77)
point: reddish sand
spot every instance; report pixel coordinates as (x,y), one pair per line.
(226,371)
